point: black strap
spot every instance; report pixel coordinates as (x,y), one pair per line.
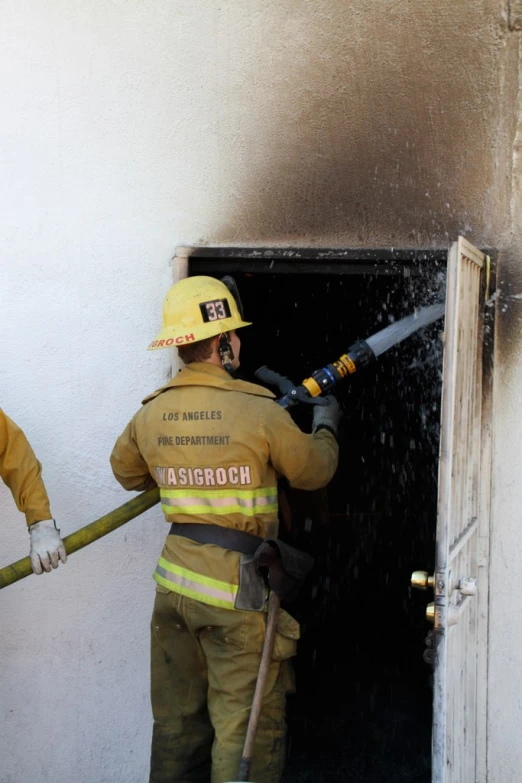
(225,537)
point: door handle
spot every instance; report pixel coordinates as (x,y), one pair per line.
(421,580)
(453,612)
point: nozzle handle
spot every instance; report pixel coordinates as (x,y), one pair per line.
(273,378)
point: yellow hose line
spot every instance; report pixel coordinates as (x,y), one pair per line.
(86,535)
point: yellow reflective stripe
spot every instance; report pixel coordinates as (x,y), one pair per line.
(190,593)
(194,576)
(218,493)
(201,588)
(219,501)
(193,585)
(221,511)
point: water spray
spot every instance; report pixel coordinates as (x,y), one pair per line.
(357,357)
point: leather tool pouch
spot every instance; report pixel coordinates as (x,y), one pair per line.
(251,595)
(284,567)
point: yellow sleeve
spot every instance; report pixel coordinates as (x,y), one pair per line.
(307,461)
(22,472)
(127,462)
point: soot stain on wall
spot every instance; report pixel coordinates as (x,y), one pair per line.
(379,133)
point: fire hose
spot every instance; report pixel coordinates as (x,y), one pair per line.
(88,534)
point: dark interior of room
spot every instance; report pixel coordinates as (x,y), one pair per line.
(362,707)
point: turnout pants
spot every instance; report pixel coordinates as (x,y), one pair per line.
(204,667)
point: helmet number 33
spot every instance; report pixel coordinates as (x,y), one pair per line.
(215,310)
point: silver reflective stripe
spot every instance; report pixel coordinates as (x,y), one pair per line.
(192,586)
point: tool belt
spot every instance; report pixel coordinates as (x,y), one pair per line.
(264,562)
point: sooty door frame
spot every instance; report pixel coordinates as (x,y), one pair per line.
(296,260)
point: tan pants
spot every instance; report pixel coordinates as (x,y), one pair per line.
(204,666)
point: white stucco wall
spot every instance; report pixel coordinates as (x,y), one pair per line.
(129,126)
(91,205)
(505,637)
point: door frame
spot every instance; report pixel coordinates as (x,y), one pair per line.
(388,262)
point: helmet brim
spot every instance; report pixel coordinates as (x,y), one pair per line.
(169,337)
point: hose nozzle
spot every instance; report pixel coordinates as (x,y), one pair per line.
(322,381)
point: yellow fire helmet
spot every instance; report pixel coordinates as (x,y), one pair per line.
(196,308)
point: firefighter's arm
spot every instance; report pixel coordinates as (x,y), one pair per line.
(127,462)
(22,472)
(307,461)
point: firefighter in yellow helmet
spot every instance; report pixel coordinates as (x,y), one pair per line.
(22,473)
(215,446)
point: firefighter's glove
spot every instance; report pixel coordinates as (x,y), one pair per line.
(327,416)
(47,547)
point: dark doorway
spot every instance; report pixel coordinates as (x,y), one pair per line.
(362,708)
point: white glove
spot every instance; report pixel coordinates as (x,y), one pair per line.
(46,546)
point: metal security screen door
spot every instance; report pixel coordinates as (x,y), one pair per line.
(460,582)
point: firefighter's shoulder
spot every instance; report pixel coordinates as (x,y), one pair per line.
(185,379)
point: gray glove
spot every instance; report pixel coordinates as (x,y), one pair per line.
(327,416)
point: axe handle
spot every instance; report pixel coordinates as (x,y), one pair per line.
(266,658)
